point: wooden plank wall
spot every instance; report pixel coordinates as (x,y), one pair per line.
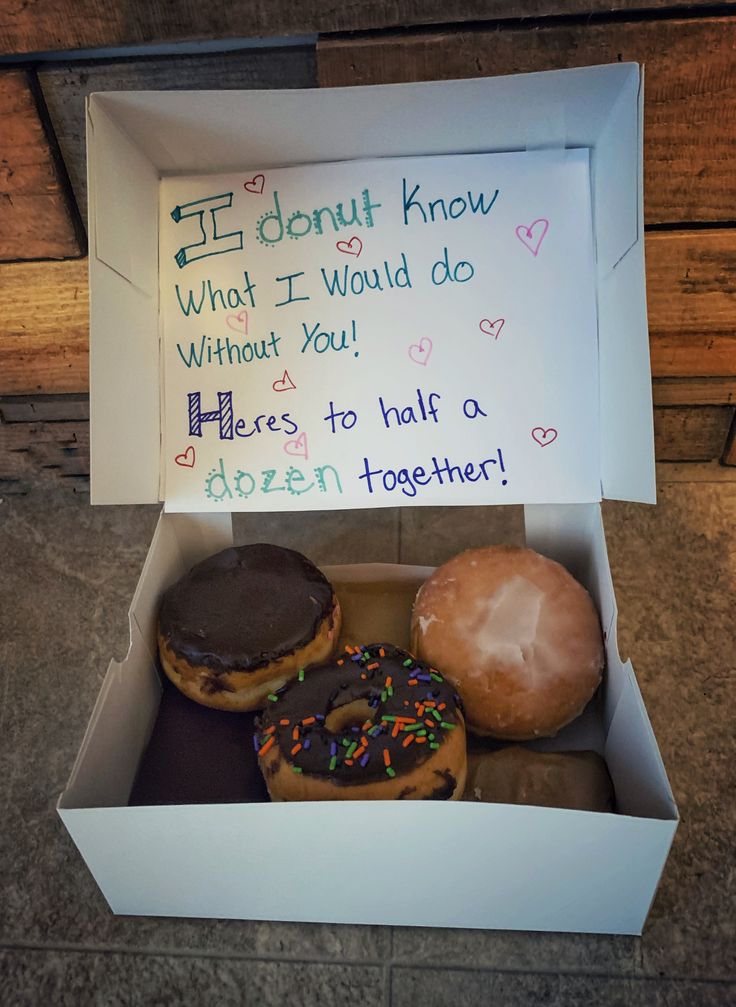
(690,184)
(86,24)
(37,220)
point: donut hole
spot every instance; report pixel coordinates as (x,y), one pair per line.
(354,714)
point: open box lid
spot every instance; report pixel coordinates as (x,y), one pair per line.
(136,138)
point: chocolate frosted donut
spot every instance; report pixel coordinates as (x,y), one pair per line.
(243,622)
(374,724)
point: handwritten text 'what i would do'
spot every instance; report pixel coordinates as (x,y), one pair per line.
(277,224)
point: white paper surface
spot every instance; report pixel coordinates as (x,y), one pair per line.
(469,376)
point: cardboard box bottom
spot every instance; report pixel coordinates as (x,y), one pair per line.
(239,856)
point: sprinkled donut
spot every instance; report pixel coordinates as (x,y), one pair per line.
(375,724)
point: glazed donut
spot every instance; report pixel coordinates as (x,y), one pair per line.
(517,636)
(240,624)
(373,725)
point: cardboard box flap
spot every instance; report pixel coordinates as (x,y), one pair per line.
(597,108)
(617,174)
(633,757)
(627,418)
(119,728)
(125,188)
(125,411)
(349,123)
(520,868)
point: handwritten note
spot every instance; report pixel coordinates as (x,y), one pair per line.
(379,333)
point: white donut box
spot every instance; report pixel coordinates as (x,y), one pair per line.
(511,867)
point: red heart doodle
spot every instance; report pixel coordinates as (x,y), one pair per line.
(544,437)
(238,323)
(255,184)
(352,247)
(533,235)
(419,352)
(297,446)
(491,328)
(284,383)
(186,459)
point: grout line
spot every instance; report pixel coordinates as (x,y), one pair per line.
(425,966)
(532,23)
(147,952)
(206,47)
(58,163)
(388,964)
(389,969)
(713,472)
(64,258)
(689,225)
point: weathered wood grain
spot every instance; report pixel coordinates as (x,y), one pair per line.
(35,218)
(690,90)
(33,453)
(44,327)
(696,433)
(43,408)
(65,87)
(75,24)
(691,296)
(695,472)
(694,391)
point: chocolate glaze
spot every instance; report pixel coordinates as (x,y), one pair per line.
(362,676)
(245,607)
(446,789)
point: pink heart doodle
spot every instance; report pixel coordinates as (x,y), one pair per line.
(352,247)
(284,384)
(255,184)
(298,446)
(186,459)
(533,236)
(544,437)
(238,323)
(419,352)
(489,328)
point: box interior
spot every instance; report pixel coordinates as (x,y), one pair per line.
(593,872)
(217,747)
(377,600)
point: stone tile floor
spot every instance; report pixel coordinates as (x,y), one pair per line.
(67,575)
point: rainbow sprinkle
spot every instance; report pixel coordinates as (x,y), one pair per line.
(396,720)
